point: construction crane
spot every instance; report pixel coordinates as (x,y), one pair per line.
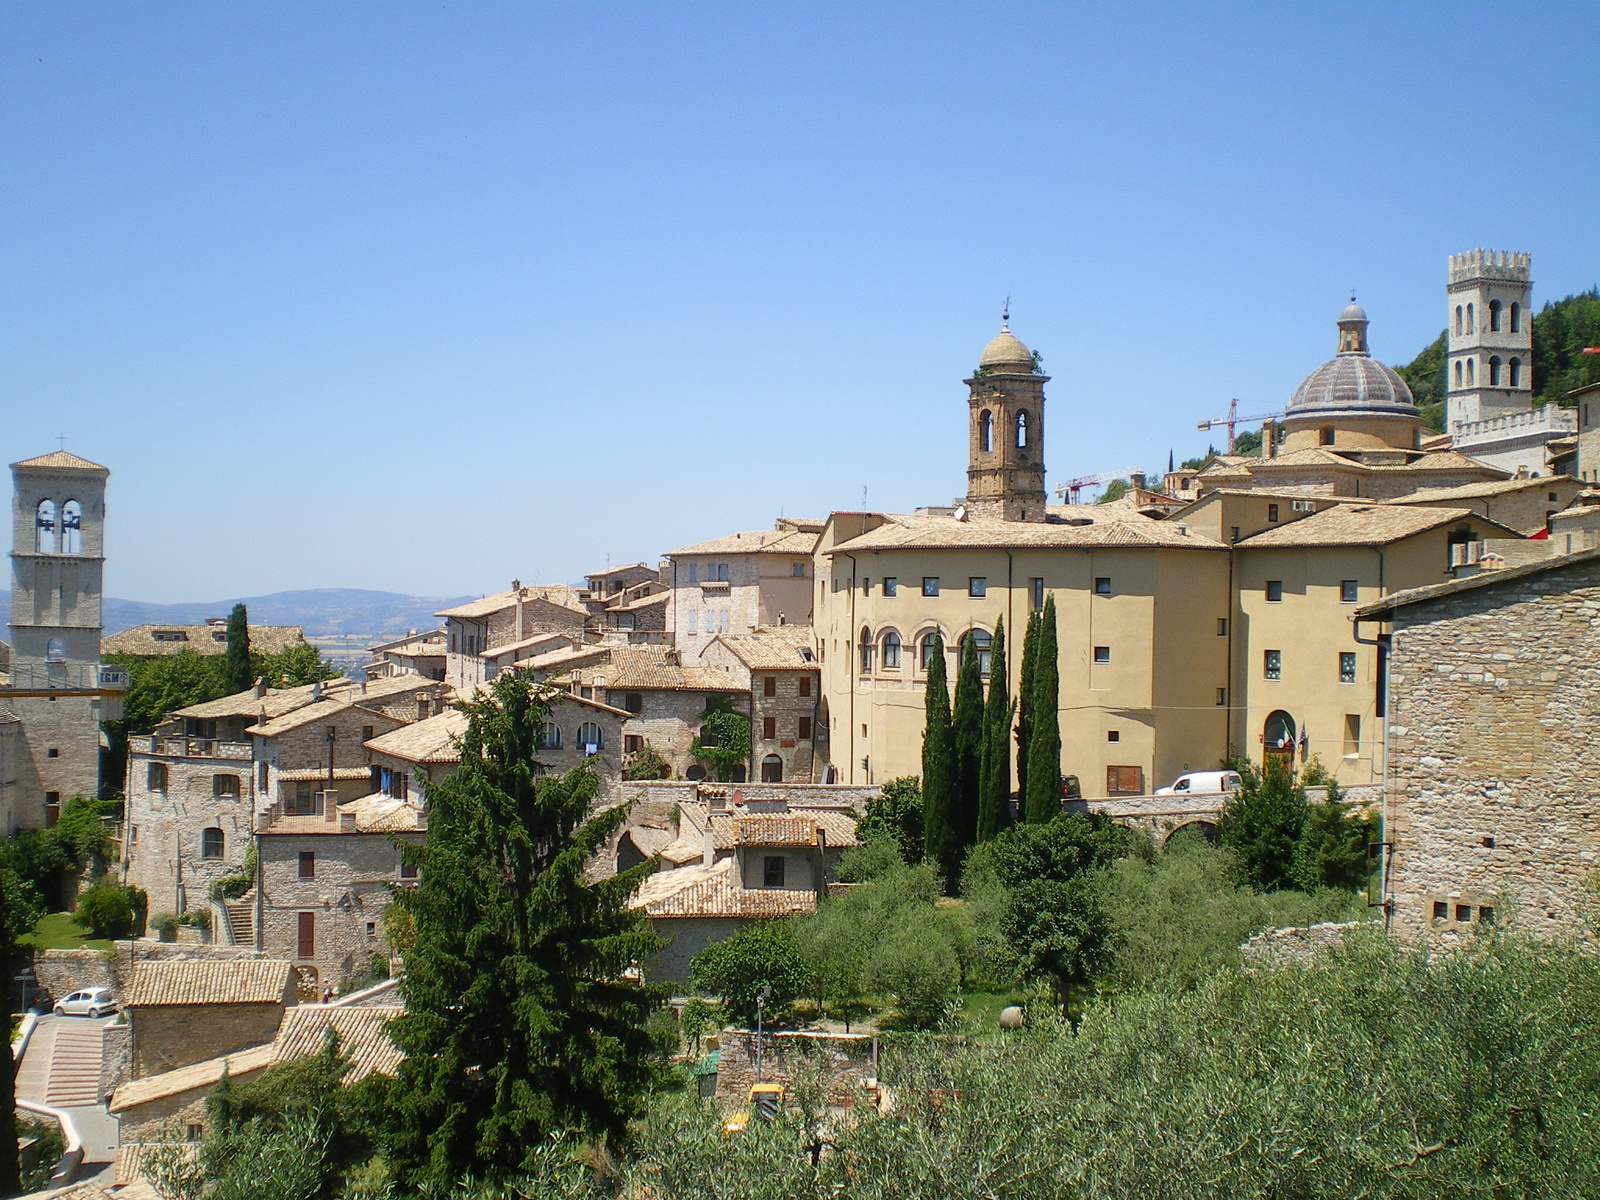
(1233,418)
(1071,487)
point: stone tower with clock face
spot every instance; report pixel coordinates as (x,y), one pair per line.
(1005,458)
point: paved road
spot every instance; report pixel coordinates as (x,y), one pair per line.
(62,1068)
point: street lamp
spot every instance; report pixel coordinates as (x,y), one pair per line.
(762,997)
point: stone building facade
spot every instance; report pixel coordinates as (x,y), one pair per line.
(1493,686)
(777,666)
(510,622)
(737,583)
(184,1012)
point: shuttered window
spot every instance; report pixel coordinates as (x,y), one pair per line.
(307,940)
(1125,781)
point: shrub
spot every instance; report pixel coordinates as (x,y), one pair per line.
(1262,822)
(112,910)
(895,813)
(915,963)
(647,764)
(870,859)
(166,926)
(761,955)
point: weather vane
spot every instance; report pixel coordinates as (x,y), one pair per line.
(1005,313)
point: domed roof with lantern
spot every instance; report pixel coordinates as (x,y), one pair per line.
(1352,381)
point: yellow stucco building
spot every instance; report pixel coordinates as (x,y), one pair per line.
(1221,629)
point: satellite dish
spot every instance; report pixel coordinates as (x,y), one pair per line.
(960,513)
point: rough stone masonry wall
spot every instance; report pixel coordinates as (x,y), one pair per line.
(1301,944)
(164,827)
(62,971)
(116,1057)
(168,1037)
(1494,766)
(846,1062)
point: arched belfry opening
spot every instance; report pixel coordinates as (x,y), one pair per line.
(1005,469)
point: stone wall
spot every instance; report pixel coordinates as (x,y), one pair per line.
(686,937)
(676,791)
(69,725)
(1162,816)
(846,1060)
(61,972)
(167,1037)
(1492,755)
(165,829)
(1298,944)
(116,1057)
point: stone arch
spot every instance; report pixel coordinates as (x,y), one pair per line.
(44,527)
(71,528)
(1206,827)
(772,769)
(1021,425)
(628,853)
(889,648)
(923,644)
(986,431)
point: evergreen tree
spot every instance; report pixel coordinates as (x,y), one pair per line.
(1030,657)
(236,673)
(994,784)
(967,723)
(520,1020)
(1043,799)
(939,842)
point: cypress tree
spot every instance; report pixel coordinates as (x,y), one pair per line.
(968,731)
(236,673)
(1030,657)
(1043,800)
(994,784)
(939,844)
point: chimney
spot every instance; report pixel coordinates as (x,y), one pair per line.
(672,658)
(708,844)
(261,687)
(330,804)
(316,690)
(1269,439)
(516,586)
(1137,481)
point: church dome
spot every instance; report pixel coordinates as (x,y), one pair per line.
(1004,350)
(1352,381)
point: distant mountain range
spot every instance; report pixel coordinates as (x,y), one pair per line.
(321,612)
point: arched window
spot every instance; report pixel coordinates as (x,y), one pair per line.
(866,651)
(211,843)
(1494,316)
(550,736)
(1325,435)
(72,527)
(1022,431)
(44,527)
(1494,370)
(982,641)
(591,738)
(1516,318)
(986,431)
(1515,366)
(1472,370)
(925,649)
(1458,384)
(1458,318)
(772,769)
(891,651)
(1470,319)
(55,650)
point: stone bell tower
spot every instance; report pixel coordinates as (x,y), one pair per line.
(1005,450)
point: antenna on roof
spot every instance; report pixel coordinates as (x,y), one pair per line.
(863,497)
(1005,313)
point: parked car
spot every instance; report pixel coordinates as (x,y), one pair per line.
(1203,783)
(96,1002)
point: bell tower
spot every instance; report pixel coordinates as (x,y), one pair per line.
(1005,431)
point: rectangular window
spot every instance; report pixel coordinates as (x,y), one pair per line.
(1222,697)
(261,778)
(52,752)
(866,585)
(408,870)
(1352,735)
(722,621)
(1272,512)
(1102,585)
(694,572)
(632,743)
(1486,915)
(633,702)
(1125,781)
(693,620)
(52,798)
(1222,626)
(1113,735)
(306,942)
(1036,593)
(308,864)
(366,733)
(1235,533)
(978,586)
(769,728)
(930,585)
(805,685)
(772,871)
(799,570)
(1274,590)
(1348,591)
(1463,912)
(304,801)
(225,787)
(891,586)
(1272,664)
(769,685)
(1102,654)
(1347,666)
(1441,910)
(155,777)
(804,728)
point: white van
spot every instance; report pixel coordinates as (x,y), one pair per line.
(1203,783)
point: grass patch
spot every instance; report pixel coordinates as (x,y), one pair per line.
(979,1012)
(61,931)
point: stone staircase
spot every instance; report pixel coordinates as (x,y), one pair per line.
(62,1063)
(242,918)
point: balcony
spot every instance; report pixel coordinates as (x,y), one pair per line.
(190,747)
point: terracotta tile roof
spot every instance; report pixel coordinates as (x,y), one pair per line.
(202,639)
(645,668)
(772,648)
(187,1079)
(361,1032)
(902,531)
(230,981)
(431,741)
(430,643)
(641,602)
(712,894)
(384,814)
(275,703)
(323,710)
(774,829)
(548,639)
(61,460)
(1473,491)
(1445,460)
(571,657)
(312,774)
(1362,525)
(1382,609)
(560,594)
(760,541)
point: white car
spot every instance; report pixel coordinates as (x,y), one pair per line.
(1203,783)
(96,1002)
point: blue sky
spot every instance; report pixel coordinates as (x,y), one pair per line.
(422,298)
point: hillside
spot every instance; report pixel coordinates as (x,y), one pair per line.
(1560,332)
(321,612)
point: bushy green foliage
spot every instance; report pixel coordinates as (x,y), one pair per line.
(293,666)
(231,887)
(1425,376)
(1178,914)
(940,841)
(20,908)
(1261,823)
(915,963)
(764,954)
(1205,460)
(1387,1073)
(1115,490)
(870,859)
(1560,333)
(520,1018)
(158,686)
(51,859)
(723,742)
(112,910)
(1332,848)
(895,813)
(647,764)
(1042,801)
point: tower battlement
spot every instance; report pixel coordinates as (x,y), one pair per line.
(1513,266)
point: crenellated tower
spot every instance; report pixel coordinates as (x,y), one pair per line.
(1490,326)
(1005,456)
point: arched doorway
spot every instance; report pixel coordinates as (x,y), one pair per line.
(628,854)
(1277,740)
(772,769)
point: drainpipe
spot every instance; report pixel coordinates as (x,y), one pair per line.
(1233,619)
(1383,642)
